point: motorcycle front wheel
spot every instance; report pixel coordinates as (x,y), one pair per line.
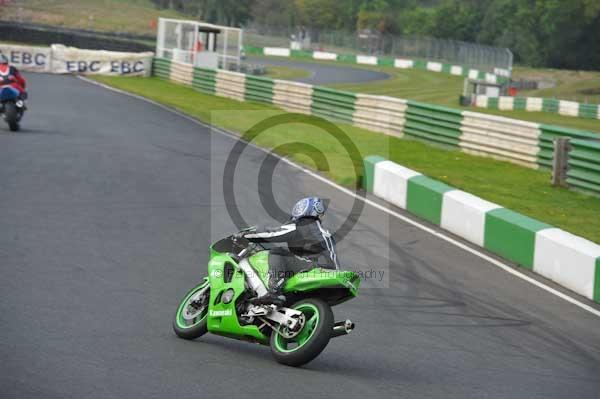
(11,116)
(312,338)
(190,318)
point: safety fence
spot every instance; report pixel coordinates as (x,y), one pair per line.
(568,260)
(497,75)
(538,104)
(524,143)
(374,43)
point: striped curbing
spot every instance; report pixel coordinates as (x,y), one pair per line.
(568,260)
(536,104)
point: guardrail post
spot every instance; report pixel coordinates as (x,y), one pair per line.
(560,161)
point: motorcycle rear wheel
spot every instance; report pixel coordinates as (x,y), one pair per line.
(311,340)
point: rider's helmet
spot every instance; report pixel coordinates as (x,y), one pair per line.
(3,59)
(309,207)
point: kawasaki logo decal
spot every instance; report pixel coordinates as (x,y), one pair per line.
(221,312)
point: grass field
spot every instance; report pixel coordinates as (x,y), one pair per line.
(521,189)
(580,86)
(444,89)
(133,16)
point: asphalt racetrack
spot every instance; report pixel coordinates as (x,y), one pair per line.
(107,207)
(321,74)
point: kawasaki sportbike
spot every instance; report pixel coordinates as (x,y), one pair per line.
(12,107)
(296,332)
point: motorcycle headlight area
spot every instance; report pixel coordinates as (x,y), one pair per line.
(227,296)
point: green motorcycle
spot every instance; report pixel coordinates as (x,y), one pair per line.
(297,332)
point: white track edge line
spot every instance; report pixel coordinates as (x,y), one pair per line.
(427,229)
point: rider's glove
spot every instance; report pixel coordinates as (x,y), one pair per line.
(239,235)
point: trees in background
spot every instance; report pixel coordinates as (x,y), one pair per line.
(554,33)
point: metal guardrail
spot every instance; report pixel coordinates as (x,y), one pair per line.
(449,51)
(584,165)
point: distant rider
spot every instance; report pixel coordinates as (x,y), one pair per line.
(10,75)
(309,245)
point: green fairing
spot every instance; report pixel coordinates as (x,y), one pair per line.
(260,263)
(323,278)
(222,318)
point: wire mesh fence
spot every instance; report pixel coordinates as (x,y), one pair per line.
(372,43)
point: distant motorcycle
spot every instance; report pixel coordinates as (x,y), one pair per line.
(297,331)
(12,106)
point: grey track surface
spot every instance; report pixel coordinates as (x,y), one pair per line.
(323,74)
(106,214)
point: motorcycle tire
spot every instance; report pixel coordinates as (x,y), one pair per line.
(11,115)
(311,340)
(191,328)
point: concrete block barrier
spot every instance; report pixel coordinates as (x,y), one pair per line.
(564,258)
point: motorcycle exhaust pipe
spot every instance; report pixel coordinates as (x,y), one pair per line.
(342,328)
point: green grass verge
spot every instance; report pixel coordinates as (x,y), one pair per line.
(523,190)
(444,89)
(133,16)
(580,86)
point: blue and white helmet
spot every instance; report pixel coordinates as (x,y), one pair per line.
(309,207)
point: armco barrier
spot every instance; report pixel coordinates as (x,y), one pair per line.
(293,96)
(182,73)
(333,104)
(500,138)
(380,114)
(550,133)
(204,80)
(433,123)
(259,89)
(231,85)
(161,67)
(570,261)
(535,104)
(584,165)
(524,143)
(499,75)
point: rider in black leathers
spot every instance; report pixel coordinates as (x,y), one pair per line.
(308,245)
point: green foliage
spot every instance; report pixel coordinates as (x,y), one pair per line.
(551,33)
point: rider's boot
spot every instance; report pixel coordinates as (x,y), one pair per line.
(273,296)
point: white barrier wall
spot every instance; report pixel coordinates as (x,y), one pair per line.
(391,182)
(27,58)
(464,215)
(60,59)
(567,259)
